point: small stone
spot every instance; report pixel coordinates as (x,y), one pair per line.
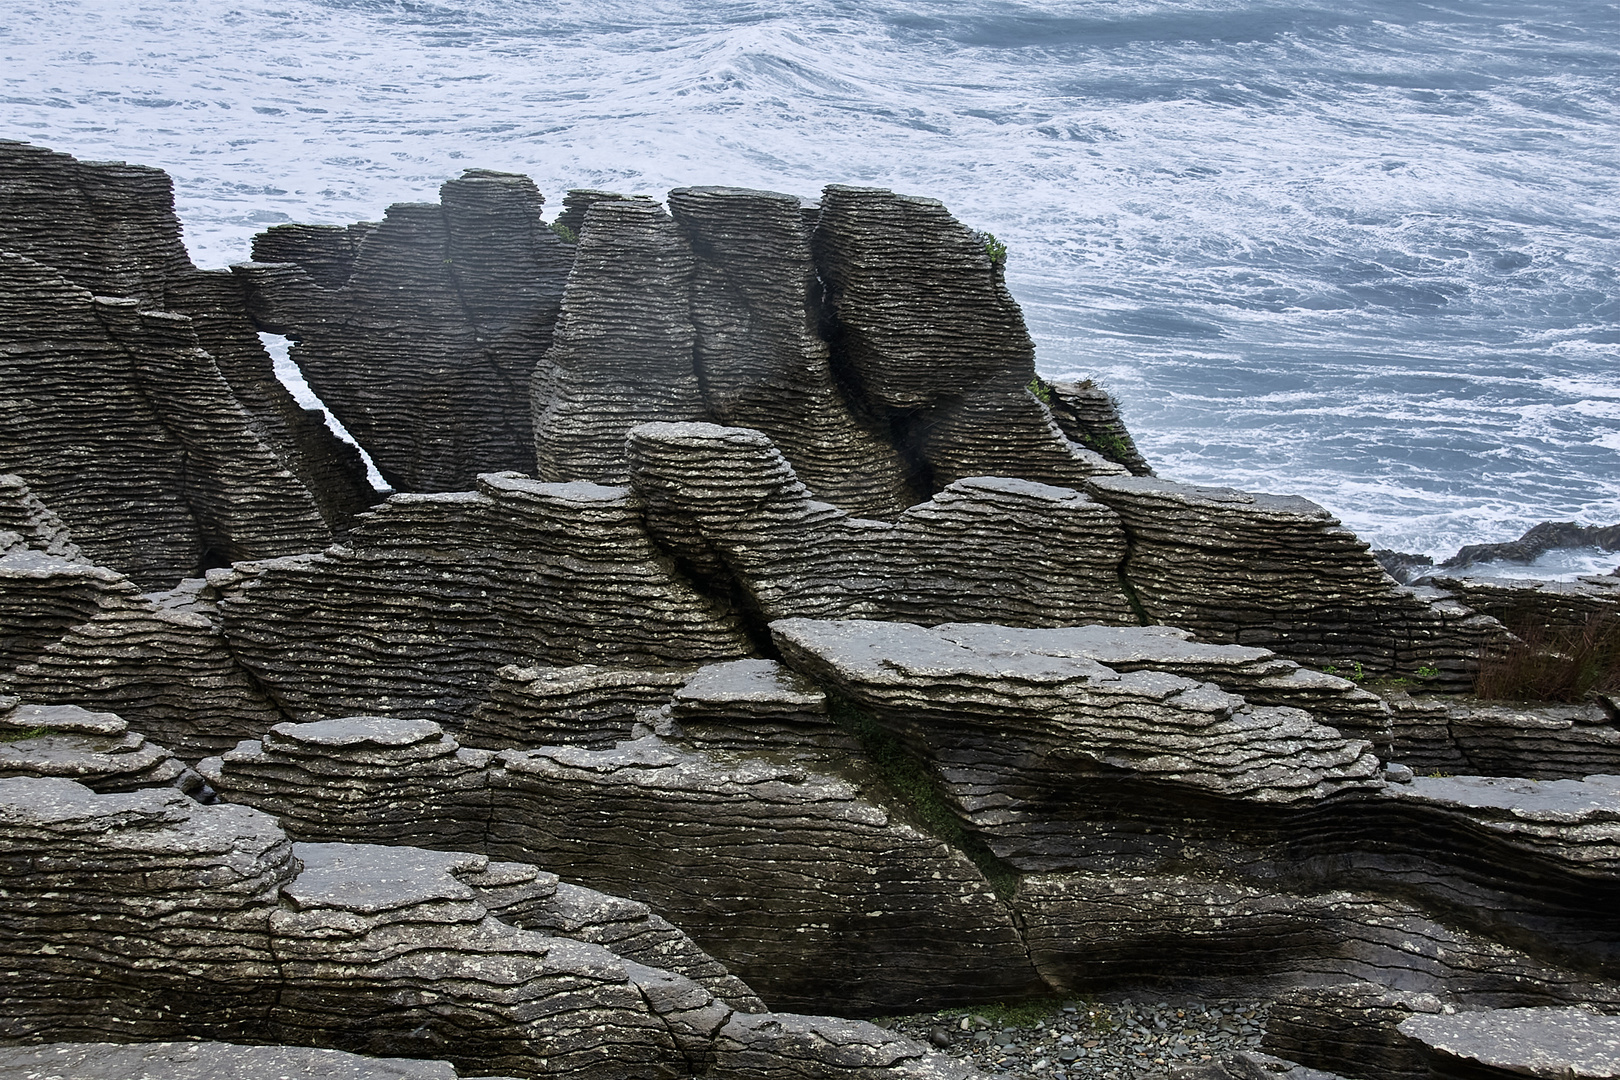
(940,1038)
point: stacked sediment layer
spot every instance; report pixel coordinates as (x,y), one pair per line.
(728,504)
(585,704)
(160,661)
(425,347)
(622,353)
(752,705)
(43,595)
(144,916)
(123,425)
(1282,573)
(96,749)
(793,877)
(762,360)
(435,593)
(110,228)
(928,331)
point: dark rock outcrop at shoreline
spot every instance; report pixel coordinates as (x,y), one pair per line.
(834,660)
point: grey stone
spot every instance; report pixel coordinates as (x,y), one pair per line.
(1555,1044)
(205,1061)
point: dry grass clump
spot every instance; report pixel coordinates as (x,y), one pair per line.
(1547,665)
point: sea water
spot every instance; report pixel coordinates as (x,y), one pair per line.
(1363,251)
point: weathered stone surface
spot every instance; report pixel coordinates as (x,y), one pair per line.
(1089,415)
(120,421)
(760,356)
(795,878)
(925,327)
(1554,608)
(585,704)
(110,228)
(207,1061)
(753,705)
(1553,1044)
(726,503)
(161,661)
(424,349)
(435,593)
(42,595)
(622,353)
(96,749)
(1470,737)
(148,917)
(1352,1027)
(578,202)
(1280,572)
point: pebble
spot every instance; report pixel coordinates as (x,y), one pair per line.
(1071,1040)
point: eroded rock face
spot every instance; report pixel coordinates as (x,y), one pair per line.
(110,228)
(759,351)
(793,876)
(623,348)
(435,593)
(726,503)
(120,421)
(1280,572)
(421,333)
(926,329)
(1571,1042)
(144,916)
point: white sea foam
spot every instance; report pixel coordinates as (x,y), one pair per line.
(1365,252)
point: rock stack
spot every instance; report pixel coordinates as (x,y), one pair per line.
(754,705)
(1280,572)
(623,348)
(760,353)
(585,705)
(425,346)
(142,916)
(96,749)
(435,593)
(727,504)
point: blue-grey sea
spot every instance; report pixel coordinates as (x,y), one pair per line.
(1367,251)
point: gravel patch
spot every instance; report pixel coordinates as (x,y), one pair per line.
(1070,1040)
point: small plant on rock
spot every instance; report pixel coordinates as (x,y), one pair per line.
(564,232)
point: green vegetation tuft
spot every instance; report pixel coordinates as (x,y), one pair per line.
(1353,671)
(1109,445)
(994,248)
(21,734)
(1040,389)
(917,793)
(1427,671)
(564,232)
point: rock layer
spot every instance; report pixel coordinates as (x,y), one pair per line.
(424,347)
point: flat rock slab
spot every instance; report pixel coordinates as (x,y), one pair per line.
(1557,1044)
(206,1061)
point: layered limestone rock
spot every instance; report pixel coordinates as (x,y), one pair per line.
(424,348)
(208,1060)
(622,353)
(121,423)
(1556,609)
(794,877)
(585,704)
(727,504)
(161,661)
(760,356)
(755,705)
(434,593)
(1566,1044)
(925,328)
(1280,572)
(110,228)
(1089,416)
(143,916)
(96,749)
(1470,737)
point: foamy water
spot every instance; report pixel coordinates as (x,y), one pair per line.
(1364,252)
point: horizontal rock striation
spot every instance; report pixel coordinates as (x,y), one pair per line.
(926,331)
(758,705)
(110,228)
(420,333)
(143,916)
(96,749)
(586,705)
(795,878)
(1556,610)
(1280,572)
(760,356)
(727,504)
(623,349)
(46,583)
(1089,416)
(1539,742)
(122,424)
(434,593)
